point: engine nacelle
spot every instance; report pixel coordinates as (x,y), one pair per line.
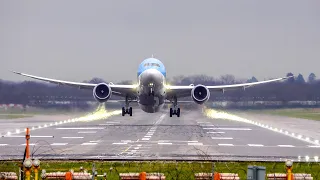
(200,94)
(102,92)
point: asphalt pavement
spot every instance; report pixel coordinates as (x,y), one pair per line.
(193,135)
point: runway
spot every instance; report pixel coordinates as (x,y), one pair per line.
(157,136)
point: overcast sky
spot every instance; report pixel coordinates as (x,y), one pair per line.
(77,40)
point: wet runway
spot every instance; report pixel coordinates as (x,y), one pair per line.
(156,136)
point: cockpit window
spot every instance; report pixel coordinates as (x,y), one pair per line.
(155,64)
(151,64)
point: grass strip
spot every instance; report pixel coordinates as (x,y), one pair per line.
(172,170)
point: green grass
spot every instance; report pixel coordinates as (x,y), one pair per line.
(172,170)
(309,113)
(14,116)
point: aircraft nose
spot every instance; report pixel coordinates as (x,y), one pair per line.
(151,76)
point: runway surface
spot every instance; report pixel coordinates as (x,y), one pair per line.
(157,136)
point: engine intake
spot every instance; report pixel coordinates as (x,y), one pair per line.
(102,92)
(200,94)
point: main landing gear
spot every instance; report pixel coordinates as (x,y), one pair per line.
(175,110)
(127,109)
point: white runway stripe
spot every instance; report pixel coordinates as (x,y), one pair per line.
(164,143)
(147,136)
(255,145)
(219,132)
(314,146)
(80,128)
(145,139)
(225,144)
(94,141)
(31,144)
(58,144)
(120,143)
(30,136)
(285,145)
(3,144)
(232,129)
(88,143)
(87,132)
(195,144)
(221,138)
(72,137)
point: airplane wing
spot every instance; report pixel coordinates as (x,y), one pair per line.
(185,91)
(119,90)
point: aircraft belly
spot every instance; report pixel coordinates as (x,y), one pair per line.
(151,103)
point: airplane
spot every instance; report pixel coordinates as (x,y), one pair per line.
(151,92)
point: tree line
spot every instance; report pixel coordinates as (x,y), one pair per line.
(292,89)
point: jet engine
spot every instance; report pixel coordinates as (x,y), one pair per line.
(102,92)
(200,94)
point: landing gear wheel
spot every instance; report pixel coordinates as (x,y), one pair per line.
(178,112)
(175,110)
(127,109)
(123,111)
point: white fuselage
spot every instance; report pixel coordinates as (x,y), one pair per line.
(151,90)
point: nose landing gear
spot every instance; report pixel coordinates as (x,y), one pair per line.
(127,109)
(175,110)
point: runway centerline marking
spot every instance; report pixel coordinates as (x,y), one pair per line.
(3,144)
(146,138)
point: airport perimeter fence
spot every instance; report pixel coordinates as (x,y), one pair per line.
(184,170)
